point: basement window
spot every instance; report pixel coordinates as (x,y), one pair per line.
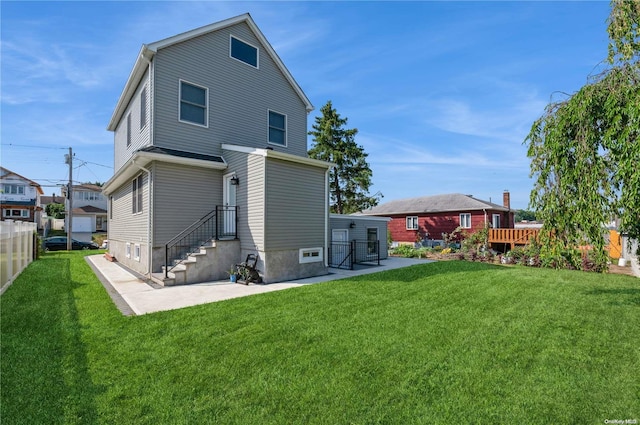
(310,255)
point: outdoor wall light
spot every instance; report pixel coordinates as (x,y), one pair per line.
(352,224)
(235,181)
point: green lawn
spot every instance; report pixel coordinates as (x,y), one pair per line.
(449,342)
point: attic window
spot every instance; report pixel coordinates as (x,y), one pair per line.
(244,52)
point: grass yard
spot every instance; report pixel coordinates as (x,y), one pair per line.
(449,342)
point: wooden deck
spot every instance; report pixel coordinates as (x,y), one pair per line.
(521,237)
(513,237)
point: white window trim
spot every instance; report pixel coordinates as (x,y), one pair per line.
(128,129)
(206,101)
(143,108)
(493,220)
(127,251)
(24,213)
(412,217)
(311,255)
(11,186)
(461,225)
(136,252)
(135,196)
(286,133)
(248,44)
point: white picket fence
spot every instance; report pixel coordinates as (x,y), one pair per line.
(16,249)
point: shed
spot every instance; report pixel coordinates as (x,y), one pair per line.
(357,239)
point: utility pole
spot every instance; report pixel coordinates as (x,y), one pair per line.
(69,160)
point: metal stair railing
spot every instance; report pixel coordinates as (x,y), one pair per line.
(220,222)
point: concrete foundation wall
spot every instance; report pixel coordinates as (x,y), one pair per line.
(281,266)
(118,249)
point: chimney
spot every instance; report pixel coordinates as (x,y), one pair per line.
(506,200)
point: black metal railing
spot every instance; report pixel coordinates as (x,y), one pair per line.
(343,255)
(221,223)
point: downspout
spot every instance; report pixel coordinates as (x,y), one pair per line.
(150,109)
(326,217)
(486,223)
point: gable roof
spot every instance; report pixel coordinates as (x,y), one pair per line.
(148,51)
(5,172)
(434,204)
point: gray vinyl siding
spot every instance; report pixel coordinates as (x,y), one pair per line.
(295,206)
(125,225)
(359,232)
(182,196)
(249,197)
(139,137)
(255,201)
(239,96)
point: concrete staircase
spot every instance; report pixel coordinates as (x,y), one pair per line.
(209,264)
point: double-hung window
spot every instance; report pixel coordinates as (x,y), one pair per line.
(277,128)
(465,220)
(193,104)
(412,222)
(243,52)
(136,198)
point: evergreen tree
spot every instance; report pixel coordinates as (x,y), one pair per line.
(585,150)
(350,179)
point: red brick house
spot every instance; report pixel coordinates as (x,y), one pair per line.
(426,218)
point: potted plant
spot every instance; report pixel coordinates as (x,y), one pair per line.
(233,274)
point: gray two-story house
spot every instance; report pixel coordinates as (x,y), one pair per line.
(210,150)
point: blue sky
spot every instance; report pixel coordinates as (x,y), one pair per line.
(443,93)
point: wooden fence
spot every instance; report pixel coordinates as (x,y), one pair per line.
(16,249)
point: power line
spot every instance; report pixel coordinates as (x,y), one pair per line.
(30,146)
(93,163)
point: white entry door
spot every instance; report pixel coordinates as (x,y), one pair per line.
(229,195)
(339,246)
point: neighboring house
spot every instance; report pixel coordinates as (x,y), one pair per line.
(425,219)
(19,197)
(88,201)
(210,142)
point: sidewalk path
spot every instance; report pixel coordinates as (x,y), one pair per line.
(133,295)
